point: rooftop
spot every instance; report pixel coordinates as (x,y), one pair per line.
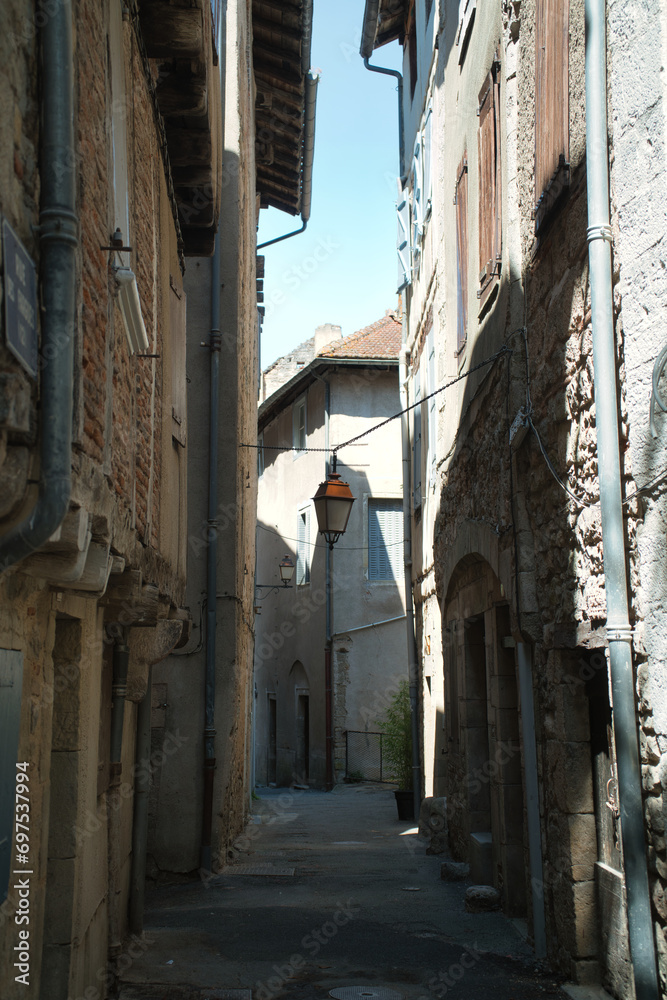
(381,339)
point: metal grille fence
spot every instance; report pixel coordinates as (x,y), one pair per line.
(363,756)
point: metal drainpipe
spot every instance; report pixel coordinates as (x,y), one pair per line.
(401,126)
(58,229)
(524,659)
(328,685)
(312,80)
(619,631)
(120,663)
(212,563)
(142,783)
(413,658)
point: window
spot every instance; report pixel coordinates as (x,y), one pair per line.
(466,19)
(461,203)
(178,375)
(490,254)
(403,239)
(119,121)
(385,540)
(417,204)
(412,55)
(427,141)
(432,386)
(299,425)
(417,447)
(260,455)
(303,548)
(552,142)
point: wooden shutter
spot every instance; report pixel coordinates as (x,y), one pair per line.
(461,203)
(403,239)
(552,140)
(489,186)
(417,448)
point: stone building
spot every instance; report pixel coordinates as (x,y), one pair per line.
(201,797)
(518,657)
(329,651)
(109,176)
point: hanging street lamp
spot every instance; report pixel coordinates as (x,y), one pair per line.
(333,503)
(286,568)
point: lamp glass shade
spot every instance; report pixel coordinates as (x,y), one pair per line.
(333,503)
(286,567)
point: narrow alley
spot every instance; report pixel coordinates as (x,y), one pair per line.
(328,891)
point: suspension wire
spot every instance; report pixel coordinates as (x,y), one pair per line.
(346,444)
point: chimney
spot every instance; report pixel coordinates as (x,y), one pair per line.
(325,334)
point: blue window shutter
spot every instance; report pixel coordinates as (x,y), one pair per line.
(403,239)
(428,137)
(417,448)
(11,683)
(385,540)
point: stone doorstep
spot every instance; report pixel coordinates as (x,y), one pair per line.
(585,992)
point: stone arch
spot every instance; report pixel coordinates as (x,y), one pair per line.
(482,718)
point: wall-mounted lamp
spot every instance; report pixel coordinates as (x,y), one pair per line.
(286,568)
(333,503)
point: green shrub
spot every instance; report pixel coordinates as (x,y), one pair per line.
(396,726)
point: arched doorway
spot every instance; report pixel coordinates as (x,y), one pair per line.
(485,801)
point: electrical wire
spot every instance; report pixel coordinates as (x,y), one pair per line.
(656,397)
(345,444)
(321,545)
(552,470)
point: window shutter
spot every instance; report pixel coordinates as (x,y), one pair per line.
(178,379)
(428,130)
(385,538)
(461,202)
(466,18)
(417,448)
(417,194)
(552,142)
(432,426)
(403,239)
(489,187)
(303,547)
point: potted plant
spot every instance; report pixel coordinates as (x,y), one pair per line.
(396,728)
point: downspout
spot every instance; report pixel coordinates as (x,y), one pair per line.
(58,228)
(312,80)
(215,341)
(328,683)
(413,659)
(368,34)
(524,660)
(120,663)
(142,783)
(619,631)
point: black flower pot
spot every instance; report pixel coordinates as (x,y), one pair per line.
(405,803)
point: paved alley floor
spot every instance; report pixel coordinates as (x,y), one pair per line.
(327,891)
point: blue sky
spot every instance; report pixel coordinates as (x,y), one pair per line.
(343,268)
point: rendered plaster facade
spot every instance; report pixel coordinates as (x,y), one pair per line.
(291,629)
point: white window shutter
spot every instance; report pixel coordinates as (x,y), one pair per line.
(417,448)
(466,11)
(417,193)
(303,547)
(403,239)
(428,131)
